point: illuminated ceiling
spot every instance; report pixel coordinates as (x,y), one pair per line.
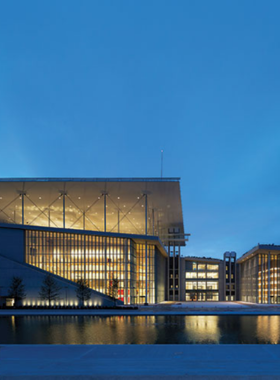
(84,203)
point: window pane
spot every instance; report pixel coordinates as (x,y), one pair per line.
(201,267)
(202,275)
(201,285)
(191,285)
(212,296)
(212,275)
(191,274)
(212,266)
(212,285)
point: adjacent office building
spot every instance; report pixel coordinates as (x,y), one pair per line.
(260,274)
(129,230)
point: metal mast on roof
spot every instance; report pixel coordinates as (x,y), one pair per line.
(161,170)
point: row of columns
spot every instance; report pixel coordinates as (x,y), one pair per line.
(262,279)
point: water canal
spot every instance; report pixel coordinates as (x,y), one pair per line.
(210,329)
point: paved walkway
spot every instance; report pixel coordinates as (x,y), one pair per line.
(165,308)
(140,361)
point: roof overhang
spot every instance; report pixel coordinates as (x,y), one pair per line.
(203,259)
(125,202)
(259,249)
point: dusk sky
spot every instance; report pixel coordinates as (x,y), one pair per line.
(98,88)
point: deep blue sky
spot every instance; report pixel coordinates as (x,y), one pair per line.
(97,89)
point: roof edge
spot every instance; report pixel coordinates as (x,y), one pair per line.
(67,179)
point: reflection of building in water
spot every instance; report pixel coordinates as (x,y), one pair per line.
(202,328)
(268,328)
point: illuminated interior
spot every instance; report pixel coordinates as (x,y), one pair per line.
(201,281)
(97,259)
(111,205)
(260,278)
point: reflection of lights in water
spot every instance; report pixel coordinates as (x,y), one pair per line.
(13,323)
(268,328)
(144,329)
(203,328)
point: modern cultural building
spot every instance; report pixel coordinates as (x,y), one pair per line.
(131,230)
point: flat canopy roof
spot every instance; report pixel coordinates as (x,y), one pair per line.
(202,259)
(84,203)
(260,248)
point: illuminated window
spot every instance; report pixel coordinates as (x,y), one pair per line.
(201,275)
(191,285)
(201,285)
(74,256)
(194,266)
(191,274)
(212,266)
(201,267)
(212,296)
(212,275)
(212,285)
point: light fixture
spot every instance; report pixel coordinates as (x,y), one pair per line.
(79,197)
(0,197)
(40,197)
(119,198)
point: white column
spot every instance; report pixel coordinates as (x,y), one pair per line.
(63,210)
(22,207)
(146,248)
(105,238)
(268,278)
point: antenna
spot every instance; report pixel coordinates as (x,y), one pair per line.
(161,171)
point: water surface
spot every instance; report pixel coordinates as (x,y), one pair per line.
(210,329)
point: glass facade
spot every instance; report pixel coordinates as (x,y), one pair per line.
(260,279)
(97,259)
(141,273)
(201,281)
